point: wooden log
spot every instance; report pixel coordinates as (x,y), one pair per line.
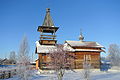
(7,74)
(49,35)
(47,38)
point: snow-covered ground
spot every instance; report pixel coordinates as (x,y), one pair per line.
(77,75)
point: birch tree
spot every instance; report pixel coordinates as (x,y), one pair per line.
(23,61)
(114,51)
(60,60)
(86,70)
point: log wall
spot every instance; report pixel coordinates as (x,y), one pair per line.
(92,57)
(80,58)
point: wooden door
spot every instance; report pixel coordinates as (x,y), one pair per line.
(87,58)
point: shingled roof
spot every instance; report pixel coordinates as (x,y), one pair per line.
(48,20)
(83,44)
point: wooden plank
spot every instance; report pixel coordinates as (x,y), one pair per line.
(47,38)
(48,42)
(49,35)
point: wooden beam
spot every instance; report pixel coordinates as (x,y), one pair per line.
(49,35)
(47,38)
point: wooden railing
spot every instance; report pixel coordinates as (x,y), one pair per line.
(4,73)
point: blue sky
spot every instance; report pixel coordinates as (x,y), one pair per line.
(99,20)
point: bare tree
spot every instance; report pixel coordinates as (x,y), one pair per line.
(23,61)
(86,70)
(12,57)
(0,61)
(60,60)
(114,51)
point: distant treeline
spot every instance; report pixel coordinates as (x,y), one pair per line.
(7,61)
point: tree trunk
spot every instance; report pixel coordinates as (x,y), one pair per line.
(60,74)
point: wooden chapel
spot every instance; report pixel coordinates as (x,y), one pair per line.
(82,50)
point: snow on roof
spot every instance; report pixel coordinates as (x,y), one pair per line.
(88,50)
(48,48)
(73,50)
(107,62)
(68,46)
(44,48)
(84,43)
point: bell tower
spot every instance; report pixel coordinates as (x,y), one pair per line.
(47,30)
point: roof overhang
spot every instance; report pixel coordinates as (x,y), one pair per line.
(47,29)
(84,44)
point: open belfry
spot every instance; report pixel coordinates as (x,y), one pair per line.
(47,30)
(47,40)
(82,50)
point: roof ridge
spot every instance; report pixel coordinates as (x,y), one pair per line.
(80,41)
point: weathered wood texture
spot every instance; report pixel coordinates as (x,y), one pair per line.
(37,64)
(80,57)
(92,57)
(48,42)
(7,74)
